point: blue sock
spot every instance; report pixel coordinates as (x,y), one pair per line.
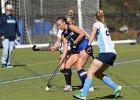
(86,87)
(107,80)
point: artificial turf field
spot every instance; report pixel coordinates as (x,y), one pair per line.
(27,79)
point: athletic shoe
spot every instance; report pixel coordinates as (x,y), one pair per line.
(4,65)
(67,88)
(9,66)
(91,89)
(79,96)
(118,91)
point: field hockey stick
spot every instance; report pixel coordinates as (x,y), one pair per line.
(92,56)
(17,42)
(49,84)
(39,49)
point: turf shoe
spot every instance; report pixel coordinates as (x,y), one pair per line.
(67,88)
(9,66)
(79,96)
(118,91)
(4,65)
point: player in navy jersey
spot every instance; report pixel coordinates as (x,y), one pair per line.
(79,42)
(59,44)
(103,60)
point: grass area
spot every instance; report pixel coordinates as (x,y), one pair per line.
(29,64)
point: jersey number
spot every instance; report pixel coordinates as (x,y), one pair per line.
(107,33)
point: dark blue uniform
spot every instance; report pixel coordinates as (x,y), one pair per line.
(71,37)
(9,27)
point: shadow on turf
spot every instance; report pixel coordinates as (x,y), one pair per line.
(112,97)
(107,97)
(19,65)
(76,88)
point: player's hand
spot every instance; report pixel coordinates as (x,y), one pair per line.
(89,50)
(18,38)
(2,37)
(73,45)
(52,49)
(62,58)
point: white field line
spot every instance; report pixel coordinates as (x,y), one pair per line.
(39,76)
(39,87)
(129,61)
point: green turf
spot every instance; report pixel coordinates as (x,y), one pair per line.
(28,63)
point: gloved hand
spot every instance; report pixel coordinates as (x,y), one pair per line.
(89,50)
(73,46)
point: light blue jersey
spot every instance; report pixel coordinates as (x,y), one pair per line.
(103,37)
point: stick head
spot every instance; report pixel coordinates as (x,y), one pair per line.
(49,85)
(34,48)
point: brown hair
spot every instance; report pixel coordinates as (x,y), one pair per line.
(99,15)
(62,19)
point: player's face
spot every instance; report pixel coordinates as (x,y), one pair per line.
(60,24)
(8,11)
(70,21)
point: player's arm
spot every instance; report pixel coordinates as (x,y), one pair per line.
(78,31)
(65,47)
(92,36)
(1,32)
(57,42)
(56,45)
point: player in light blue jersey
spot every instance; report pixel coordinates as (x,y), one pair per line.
(103,60)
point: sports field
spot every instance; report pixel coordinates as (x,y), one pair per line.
(27,79)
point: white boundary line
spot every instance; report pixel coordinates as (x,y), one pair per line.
(32,77)
(129,61)
(126,86)
(98,86)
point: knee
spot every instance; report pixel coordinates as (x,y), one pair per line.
(99,76)
(5,48)
(62,71)
(80,65)
(78,68)
(67,65)
(90,74)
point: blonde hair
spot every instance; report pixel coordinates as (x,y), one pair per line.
(9,6)
(99,15)
(70,14)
